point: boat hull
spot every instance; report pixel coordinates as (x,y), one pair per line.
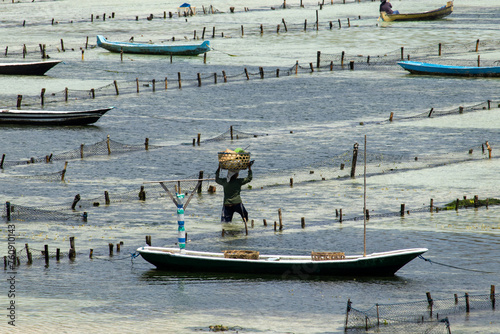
(153,49)
(416,67)
(27,68)
(376,264)
(42,117)
(435,14)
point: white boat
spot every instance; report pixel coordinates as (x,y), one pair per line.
(51,117)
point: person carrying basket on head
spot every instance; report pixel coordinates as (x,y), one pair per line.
(232,188)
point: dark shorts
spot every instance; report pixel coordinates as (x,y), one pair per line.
(229,210)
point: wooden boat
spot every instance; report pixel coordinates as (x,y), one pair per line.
(154,49)
(416,67)
(424,16)
(28,68)
(51,117)
(376,264)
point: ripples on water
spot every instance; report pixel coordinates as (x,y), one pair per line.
(304,120)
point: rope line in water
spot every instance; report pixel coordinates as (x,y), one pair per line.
(447,265)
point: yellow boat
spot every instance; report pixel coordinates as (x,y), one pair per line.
(424,16)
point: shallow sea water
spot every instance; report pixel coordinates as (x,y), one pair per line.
(302,121)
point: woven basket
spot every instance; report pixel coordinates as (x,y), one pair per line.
(241,254)
(324,256)
(234,161)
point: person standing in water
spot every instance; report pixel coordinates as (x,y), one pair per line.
(232,188)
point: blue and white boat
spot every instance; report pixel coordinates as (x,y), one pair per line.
(416,67)
(154,49)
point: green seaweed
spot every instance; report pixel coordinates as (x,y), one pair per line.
(470,203)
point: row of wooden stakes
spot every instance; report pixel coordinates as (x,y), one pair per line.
(71,253)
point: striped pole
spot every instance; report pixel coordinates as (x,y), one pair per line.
(180,222)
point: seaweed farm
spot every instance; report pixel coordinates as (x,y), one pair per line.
(299,85)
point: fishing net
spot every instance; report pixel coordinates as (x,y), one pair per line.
(429,316)
(28,254)
(104,147)
(349,164)
(465,54)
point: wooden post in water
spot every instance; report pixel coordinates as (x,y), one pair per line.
(179,78)
(77,198)
(467,304)
(42,93)
(142,194)
(19,99)
(391,116)
(46,254)
(199,79)
(430,302)
(318,58)
(439,52)
(108,145)
(432,204)
(66,94)
(200,177)
(489,149)
(110,245)
(402,210)
(402,52)
(91,253)
(354,159)
(492,296)
(146,144)
(72,250)
(8,209)
(477,45)
(280,219)
(28,253)
(106,197)
(303,222)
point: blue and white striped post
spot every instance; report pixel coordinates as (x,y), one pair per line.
(180,222)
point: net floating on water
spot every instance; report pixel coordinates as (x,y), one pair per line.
(233,160)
